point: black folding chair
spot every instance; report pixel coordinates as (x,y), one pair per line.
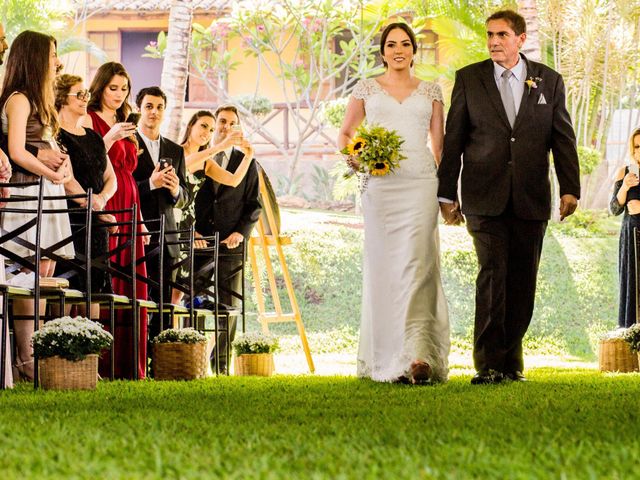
(28,263)
(126,272)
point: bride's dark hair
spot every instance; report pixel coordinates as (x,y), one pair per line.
(402,26)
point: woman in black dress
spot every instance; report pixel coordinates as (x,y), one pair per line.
(626,198)
(91,167)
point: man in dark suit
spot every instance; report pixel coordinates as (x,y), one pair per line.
(232,212)
(506,115)
(160,175)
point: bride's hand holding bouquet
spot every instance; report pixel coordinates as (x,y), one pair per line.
(374,150)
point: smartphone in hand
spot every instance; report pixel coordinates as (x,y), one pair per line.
(133,117)
(165,162)
(634,168)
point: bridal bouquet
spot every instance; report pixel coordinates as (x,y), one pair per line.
(376,149)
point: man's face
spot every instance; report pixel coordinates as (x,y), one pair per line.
(152,111)
(503,43)
(226,119)
(4,46)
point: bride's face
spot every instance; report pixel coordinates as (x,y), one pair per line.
(398,50)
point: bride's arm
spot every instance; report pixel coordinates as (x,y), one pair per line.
(436,130)
(352,119)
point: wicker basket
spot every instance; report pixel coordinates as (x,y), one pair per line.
(260,364)
(179,361)
(57,373)
(615,355)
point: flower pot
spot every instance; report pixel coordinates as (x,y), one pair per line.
(615,355)
(259,364)
(57,373)
(179,361)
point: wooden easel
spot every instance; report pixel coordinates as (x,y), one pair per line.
(269,236)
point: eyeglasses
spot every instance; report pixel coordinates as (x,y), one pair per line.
(81,95)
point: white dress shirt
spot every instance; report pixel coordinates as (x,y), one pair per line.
(153,147)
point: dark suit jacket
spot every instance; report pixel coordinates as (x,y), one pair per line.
(498,162)
(229,209)
(159,201)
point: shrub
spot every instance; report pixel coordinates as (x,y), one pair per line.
(256,104)
(333,111)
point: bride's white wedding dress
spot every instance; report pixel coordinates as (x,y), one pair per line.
(404,310)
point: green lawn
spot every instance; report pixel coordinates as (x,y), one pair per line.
(562,424)
(577,297)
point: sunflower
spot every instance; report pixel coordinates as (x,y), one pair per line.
(356,146)
(380,168)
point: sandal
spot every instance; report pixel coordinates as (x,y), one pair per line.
(421,373)
(22,374)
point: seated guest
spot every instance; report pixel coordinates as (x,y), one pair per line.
(92,169)
(160,175)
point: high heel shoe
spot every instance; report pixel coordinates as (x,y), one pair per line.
(421,373)
(23,374)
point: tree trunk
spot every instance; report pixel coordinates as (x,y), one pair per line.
(175,69)
(529,10)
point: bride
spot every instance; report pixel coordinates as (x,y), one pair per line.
(404,333)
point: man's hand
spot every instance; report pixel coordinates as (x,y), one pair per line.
(568,205)
(451,213)
(233,240)
(52,158)
(170,181)
(157,176)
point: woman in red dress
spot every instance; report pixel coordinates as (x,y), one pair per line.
(108,109)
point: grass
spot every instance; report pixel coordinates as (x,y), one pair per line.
(567,423)
(577,296)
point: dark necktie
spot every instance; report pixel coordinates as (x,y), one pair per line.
(219,158)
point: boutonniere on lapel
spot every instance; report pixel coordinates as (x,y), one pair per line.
(532,82)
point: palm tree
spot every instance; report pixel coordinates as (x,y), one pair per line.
(175,69)
(529,10)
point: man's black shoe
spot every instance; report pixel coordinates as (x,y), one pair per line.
(515,376)
(486,377)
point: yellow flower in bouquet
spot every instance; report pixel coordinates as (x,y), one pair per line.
(376,149)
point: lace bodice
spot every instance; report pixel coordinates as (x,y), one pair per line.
(410,119)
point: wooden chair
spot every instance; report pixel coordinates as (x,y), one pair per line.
(267,236)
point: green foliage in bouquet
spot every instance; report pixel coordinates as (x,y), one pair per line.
(255,342)
(376,148)
(70,338)
(180,335)
(632,336)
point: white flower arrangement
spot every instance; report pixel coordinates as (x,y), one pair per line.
(613,334)
(180,335)
(255,342)
(70,338)
(632,336)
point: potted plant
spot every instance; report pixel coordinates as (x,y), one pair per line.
(254,354)
(68,349)
(632,337)
(179,354)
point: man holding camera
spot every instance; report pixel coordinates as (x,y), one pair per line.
(160,175)
(230,211)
